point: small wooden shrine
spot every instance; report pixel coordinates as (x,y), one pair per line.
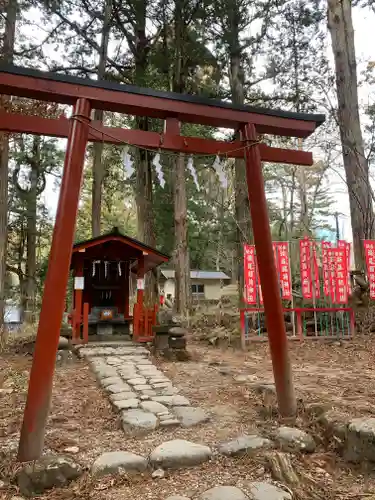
(104,270)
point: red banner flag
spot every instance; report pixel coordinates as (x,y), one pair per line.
(250,274)
(326,245)
(370,263)
(346,245)
(305,267)
(283,269)
(340,269)
(332,273)
(315,271)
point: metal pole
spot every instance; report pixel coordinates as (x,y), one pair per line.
(43,367)
(337,227)
(270,288)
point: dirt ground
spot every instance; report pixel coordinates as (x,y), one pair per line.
(341,375)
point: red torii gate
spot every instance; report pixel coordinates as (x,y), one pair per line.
(85,95)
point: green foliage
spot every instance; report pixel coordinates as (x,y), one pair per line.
(280,48)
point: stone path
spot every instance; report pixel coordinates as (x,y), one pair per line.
(142,393)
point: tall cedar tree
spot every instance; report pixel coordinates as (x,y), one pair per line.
(7,57)
(361,196)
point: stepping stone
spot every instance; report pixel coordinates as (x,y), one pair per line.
(127,376)
(223,493)
(137,381)
(360,440)
(293,439)
(172,400)
(141,388)
(154,407)
(105,382)
(161,385)
(115,388)
(144,362)
(242,379)
(171,422)
(267,491)
(335,423)
(116,461)
(263,387)
(149,392)
(138,422)
(106,372)
(177,497)
(179,453)
(158,474)
(190,416)
(45,473)
(169,391)
(148,374)
(121,396)
(165,416)
(126,404)
(153,371)
(113,361)
(244,445)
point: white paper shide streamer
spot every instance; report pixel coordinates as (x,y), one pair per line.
(127,162)
(159,172)
(193,172)
(217,165)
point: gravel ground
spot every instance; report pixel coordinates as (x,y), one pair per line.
(339,374)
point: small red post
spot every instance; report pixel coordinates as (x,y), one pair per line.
(277,338)
(43,367)
(85,323)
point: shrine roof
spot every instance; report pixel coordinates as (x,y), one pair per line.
(113,96)
(116,246)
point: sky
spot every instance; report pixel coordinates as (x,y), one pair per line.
(364,22)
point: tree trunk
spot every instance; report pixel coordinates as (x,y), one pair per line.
(31,233)
(7,57)
(242,207)
(98,170)
(181,248)
(181,252)
(145,212)
(304,211)
(356,166)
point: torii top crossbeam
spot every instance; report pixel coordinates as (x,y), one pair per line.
(132,100)
(86,95)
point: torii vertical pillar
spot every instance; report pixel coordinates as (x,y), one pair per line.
(267,270)
(42,370)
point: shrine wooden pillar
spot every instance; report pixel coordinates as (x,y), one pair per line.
(268,276)
(44,360)
(138,320)
(78,293)
(141,281)
(126,289)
